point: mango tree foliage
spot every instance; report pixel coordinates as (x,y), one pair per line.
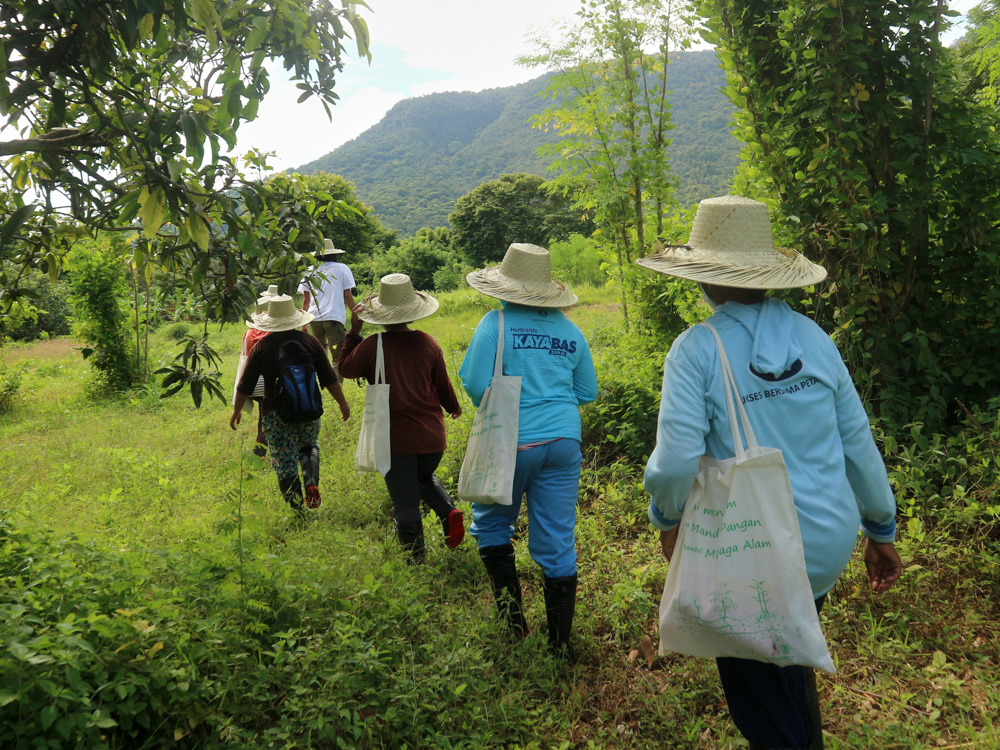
(512,208)
(610,105)
(118,115)
(877,167)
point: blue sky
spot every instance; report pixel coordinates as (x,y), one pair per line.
(417,48)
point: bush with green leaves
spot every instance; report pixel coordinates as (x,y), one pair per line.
(10,384)
(949,482)
(177,331)
(577,260)
(99,283)
(621,423)
(49,307)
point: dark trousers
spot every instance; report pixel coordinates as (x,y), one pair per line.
(408,474)
(772,706)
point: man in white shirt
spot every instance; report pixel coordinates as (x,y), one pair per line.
(326,293)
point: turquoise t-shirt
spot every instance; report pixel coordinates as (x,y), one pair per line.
(553,359)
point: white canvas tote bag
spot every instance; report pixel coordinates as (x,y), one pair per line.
(487,474)
(737,583)
(373,441)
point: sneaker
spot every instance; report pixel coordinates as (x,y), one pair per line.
(313,500)
(454,528)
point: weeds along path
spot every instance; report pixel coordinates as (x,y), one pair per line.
(192,611)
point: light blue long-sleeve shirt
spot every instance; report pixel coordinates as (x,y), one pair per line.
(553,359)
(800,399)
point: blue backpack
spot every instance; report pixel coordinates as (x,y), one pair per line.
(298,398)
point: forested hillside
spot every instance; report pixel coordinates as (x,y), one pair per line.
(428,152)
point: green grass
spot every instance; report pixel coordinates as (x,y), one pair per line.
(133,522)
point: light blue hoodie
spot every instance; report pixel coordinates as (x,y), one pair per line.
(549,352)
(800,399)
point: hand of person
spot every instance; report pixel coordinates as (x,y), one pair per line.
(235,418)
(668,539)
(884,565)
(345,410)
(356,322)
(456,414)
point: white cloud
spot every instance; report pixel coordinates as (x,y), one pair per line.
(418,48)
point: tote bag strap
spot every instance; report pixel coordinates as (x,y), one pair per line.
(379,363)
(733,402)
(498,362)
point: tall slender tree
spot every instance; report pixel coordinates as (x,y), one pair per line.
(610,103)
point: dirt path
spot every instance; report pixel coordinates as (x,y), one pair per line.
(46,350)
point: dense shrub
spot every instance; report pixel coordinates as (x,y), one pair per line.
(217,648)
(102,318)
(177,331)
(621,423)
(10,384)
(949,482)
(50,309)
(578,260)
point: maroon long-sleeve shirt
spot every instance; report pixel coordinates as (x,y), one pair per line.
(420,388)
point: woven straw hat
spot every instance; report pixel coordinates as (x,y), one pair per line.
(524,277)
(329,251)
(396,302)
(263,299)
(731,245)
(281,315)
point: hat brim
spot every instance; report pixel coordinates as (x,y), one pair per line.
(372,311)
(780,269)
(264,322)
(492,283)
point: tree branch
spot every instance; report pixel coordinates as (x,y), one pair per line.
(60,139)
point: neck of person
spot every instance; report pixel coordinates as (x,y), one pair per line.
(723,294)
(396,327)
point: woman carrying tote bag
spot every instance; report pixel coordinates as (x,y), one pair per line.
(419,389)
(799,399)
(551,356)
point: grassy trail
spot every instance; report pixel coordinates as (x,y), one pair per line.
(280,634)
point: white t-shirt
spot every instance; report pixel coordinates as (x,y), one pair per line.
(327,301)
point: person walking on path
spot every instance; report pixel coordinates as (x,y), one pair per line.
(326,295)
(800,399)
(293,443)
(550,354)
(251,337)
(419,389)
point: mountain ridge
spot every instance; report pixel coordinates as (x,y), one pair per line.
(429,151)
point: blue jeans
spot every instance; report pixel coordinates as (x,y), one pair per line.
(549,476)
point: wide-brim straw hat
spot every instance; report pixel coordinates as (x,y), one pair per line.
(281,315)
(731,245)
(396,302)
(524,277)
(329,251)
(263,299)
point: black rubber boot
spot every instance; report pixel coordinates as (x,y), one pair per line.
(433,493)
(501,567)
(291,490)
(309,461)
(436,496)
(411,536)
(560,603)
